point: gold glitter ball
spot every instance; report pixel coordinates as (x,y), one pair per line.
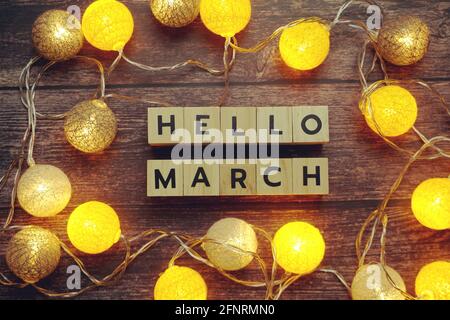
(33,253)
(175,13)
(403,41)
(90,126)
(57,35)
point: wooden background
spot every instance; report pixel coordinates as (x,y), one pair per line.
(362,168)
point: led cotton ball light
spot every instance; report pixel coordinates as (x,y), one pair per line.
(57,35)
(372,283)
(44,190)
(403,40)
(107,25)
(90,126)
(180,283)
(392,111)
(306,45)
(175,13)
(299,247)
(93,227)
(234,233)
(33,253)
(433,281)
(430,203)
(225,17)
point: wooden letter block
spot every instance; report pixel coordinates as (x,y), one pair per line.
(201,180)
(201,122)
(237,179)
(235,121)
(164,178)
(162,122)
(274,124)
(310,125)
(274,179)
(310,176)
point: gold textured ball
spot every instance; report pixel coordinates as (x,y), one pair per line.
(233,232)
(175,13)
(372,283)
(180,283)
(433,281)
(57,35)
(44,190)
(90,126)
(403,41)
(33,253)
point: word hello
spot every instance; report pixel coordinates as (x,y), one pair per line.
(302,176)
(238,125)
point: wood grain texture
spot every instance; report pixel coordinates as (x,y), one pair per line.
(362,168)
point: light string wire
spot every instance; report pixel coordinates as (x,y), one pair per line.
(379,218)
(274,287)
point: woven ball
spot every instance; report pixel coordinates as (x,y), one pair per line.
(433,281)
(107,25)
(430,203)
(392,111)
(299,247)
(33,253)
(44,190)
(225,18)
(305,46)
(180,283)
(93,227)
(404,40)
(372,283)
(233,232)
(90,126)
(57,35)
(175,13)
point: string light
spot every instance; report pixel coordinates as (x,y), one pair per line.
(299,247)
(57,35)
(392,111)
(232,232)
(175,13)
(306,45)
(372,283)
(44,190)
(33,253)
(180,283)
(433,281)
(93,227)
(107,25)
(430,203)
(225,18)
(90,126)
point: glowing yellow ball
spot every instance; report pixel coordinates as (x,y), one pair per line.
(90,126)
(299,247)
(93,227)
(44,190)
(180,283)
(57,35)
(33,253)
(225,17)
(430,203)
(233,232)
(107,25)
(394,110)
(305,46)
(372,283)
(433,281)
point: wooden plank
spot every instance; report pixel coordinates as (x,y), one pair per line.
(164,178)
